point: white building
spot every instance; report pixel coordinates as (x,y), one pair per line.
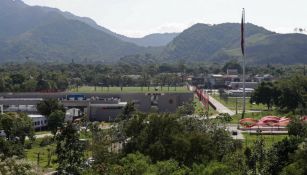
(238,85)
(38,121)
(239,92)
(72,113)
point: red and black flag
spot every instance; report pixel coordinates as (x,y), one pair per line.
(243,32)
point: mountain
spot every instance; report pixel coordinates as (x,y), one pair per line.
(271,49)
(152,40)
(218,43)
(42,34)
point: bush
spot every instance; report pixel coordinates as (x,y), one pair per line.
(46,141)
(28,145)
(18,166)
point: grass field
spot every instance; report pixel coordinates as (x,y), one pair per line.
(31,154)
(231,103)
(85,89)
(42,132)
(269,140)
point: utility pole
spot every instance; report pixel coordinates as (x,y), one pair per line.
(236,105)
(244,58)
(95,78)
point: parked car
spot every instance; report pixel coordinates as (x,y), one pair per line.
(2,133)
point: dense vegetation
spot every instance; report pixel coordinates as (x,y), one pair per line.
(220,42)
(48,35)
(35,77)
(152,144)
(288,94)
(30,77)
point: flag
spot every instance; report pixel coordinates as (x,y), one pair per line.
(243,32)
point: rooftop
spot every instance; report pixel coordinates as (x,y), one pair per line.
(36,116)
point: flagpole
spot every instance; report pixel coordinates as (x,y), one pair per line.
(244,64)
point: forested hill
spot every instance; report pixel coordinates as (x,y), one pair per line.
(221,42)
(45,35)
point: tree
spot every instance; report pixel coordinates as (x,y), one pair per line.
(186,140)
(10,148)
(232,65)
(224,118)
(237,162)
(297,128)
(48,106)
(56,120)
(223,143)
(136,164)
(169,167)
(17,78)
(186,109)
(139,164)
(259,156)
(101,144)
(292,93)
(42,85)
(70,150)
(279,154)
(161,80)
(127,111)
(299,161)
(265,93)
(249,159)
(17,126)
(181,67)
(30,85)
(214,168)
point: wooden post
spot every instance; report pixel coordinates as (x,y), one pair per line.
(38,158)
(49,156)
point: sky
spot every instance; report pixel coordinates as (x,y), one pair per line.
(137,18)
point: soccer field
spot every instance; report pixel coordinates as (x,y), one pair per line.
(85,89)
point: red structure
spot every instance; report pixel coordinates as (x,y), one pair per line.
(265,121)
(203,97)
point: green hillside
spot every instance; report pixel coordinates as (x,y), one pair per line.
(41,35)
(221,42)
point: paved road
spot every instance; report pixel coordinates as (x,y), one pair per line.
(234,128)
(220,107)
